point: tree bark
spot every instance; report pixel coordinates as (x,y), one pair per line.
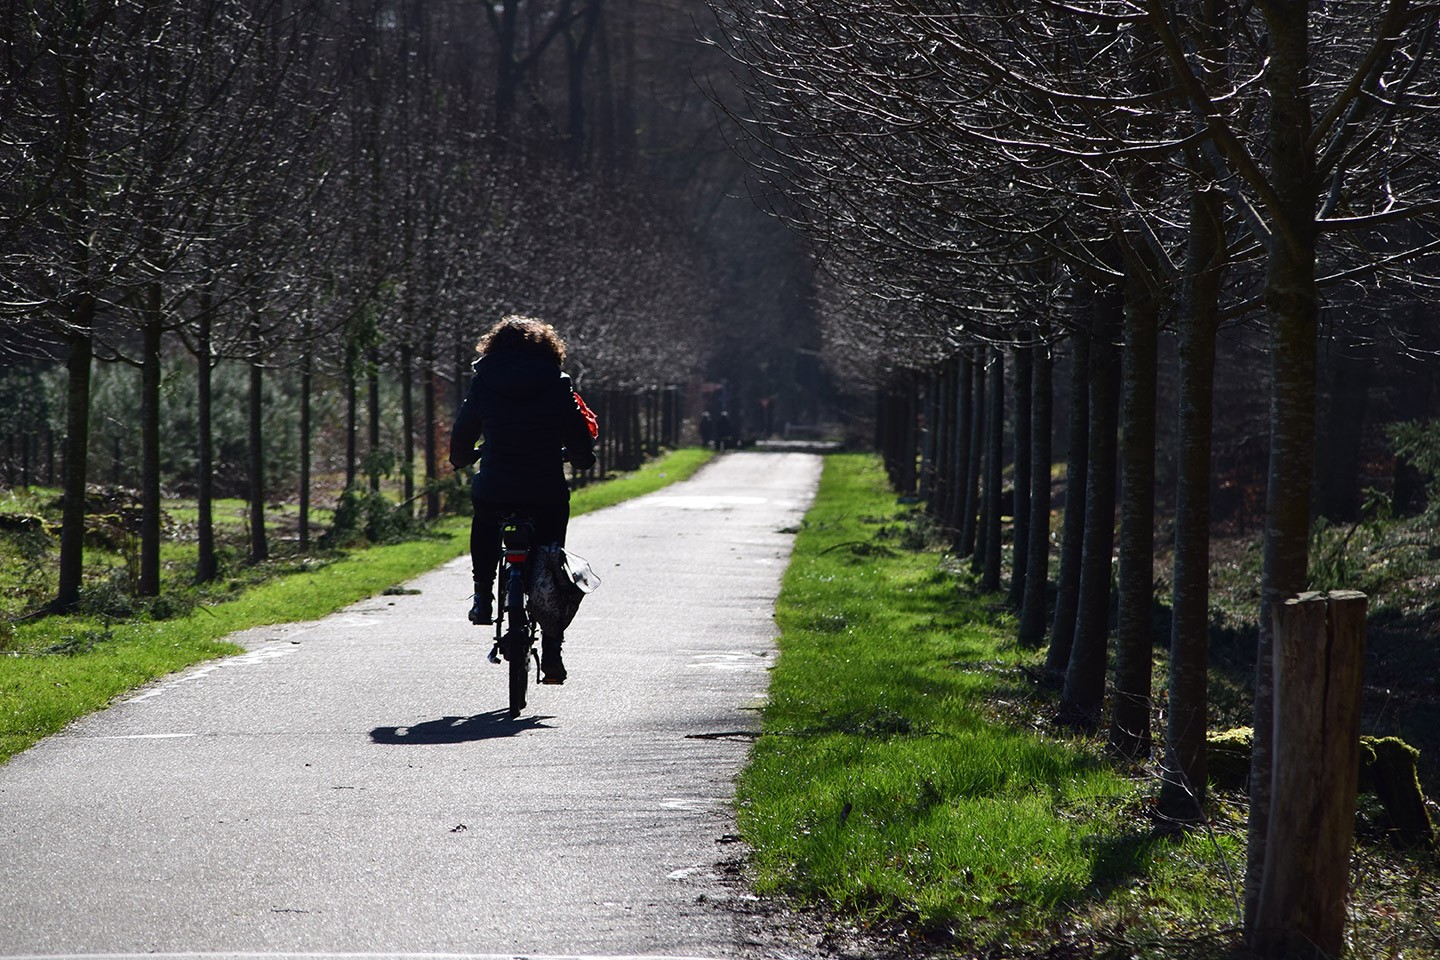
(1084,689)
(372,385)
(307,387)
(1062,629)
(1292,311)
(929,435)
(259,544)
(576,59)
(432,430)
(1130,734)
(1037,562)
(964,441)
(149,585)
(407,431)
(205,565)
(942,426)
(507,77)
(352,425)
(77,444)
(1183,783)
(1020,544)
(970,520)
(994,471)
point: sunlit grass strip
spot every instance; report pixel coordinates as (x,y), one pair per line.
(91,662)
(887,782)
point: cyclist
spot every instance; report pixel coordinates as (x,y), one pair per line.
(528,420)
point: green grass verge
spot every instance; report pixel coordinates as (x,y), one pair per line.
(61,668)
(904,771)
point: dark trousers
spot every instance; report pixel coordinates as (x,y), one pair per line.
(549,520)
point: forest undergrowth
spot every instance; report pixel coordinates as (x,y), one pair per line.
(1396,563)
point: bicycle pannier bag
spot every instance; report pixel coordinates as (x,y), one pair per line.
(561,580)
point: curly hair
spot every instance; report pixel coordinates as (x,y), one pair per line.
(516,332)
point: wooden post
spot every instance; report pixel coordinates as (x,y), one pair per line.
(1319,650)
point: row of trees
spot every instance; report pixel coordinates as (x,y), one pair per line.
(352,190)
(1074,177)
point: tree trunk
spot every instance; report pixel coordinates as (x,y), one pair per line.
(960,466)
(1037,561)
(259,546)
(637,439)
(307,388)
(507,80)
(945,455)
(432,429)
(407,431)
(940,435)
(77,443)
(1319,665)
(149,585)
(994,472)
(1130,734)
(956,391)
(576,61)
(970,521)
(1084,689)
(1020,545)
(459,383)
(1067,587)
(1183,781)
(352,425)
(929,435)
(602,411)
(1292,310)
(205,565)
(372,383)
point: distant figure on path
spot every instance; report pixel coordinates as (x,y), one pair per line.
(707,429)
(524,412)
(724,432)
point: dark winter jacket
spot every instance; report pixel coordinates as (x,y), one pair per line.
(523,409)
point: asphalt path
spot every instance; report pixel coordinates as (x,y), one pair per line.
(352,786)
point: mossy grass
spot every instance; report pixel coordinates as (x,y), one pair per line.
(58,668)
(905,769)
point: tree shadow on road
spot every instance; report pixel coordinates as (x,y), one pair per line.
(483,726)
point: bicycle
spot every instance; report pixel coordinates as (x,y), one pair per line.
(514,629)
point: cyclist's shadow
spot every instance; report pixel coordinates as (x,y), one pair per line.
(483,726)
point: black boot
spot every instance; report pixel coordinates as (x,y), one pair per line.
(551,666)
(482,612)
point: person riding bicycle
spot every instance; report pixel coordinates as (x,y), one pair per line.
(528,419)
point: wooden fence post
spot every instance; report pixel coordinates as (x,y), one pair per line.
(1319,651)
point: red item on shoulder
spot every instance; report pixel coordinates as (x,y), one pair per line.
(591,423)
